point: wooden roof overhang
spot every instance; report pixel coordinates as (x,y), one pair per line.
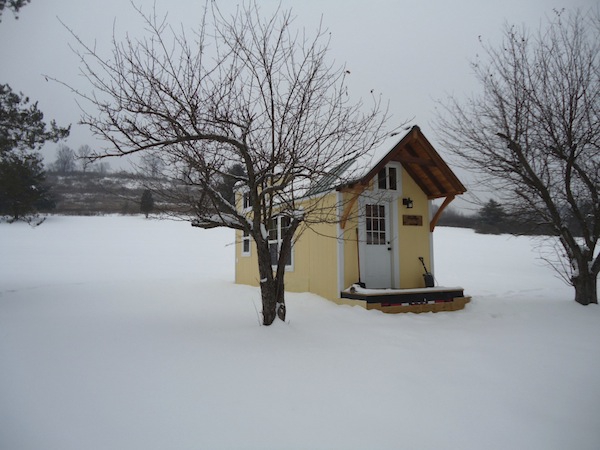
(424,164)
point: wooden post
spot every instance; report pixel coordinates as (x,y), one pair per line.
(439,212)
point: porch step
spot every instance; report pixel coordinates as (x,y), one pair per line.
(409,300)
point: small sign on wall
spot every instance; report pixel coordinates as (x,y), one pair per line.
(412,220)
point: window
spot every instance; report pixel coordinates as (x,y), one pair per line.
(387,178)
(375,224)
(246,200)
(277,228)
(246,243)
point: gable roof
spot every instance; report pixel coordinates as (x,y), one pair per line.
(423,164)
(331,179)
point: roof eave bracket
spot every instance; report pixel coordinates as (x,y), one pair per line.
(439,212)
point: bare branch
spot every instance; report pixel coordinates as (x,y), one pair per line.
(246,91)
(534,133)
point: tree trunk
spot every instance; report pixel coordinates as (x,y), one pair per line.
(273,302)
(269,301)
(271,287)
(586,285)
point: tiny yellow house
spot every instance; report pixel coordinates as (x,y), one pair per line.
(378,246)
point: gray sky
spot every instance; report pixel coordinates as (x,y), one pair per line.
(414,52)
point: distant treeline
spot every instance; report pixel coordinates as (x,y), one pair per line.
(492,218)
(92,192)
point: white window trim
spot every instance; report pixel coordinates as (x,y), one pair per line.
(393,192)
(246,238)
(246,203)
(278,241)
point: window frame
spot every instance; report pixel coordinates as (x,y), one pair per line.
(246,240)
(246,201)
(275,237)
(375,224)
(384,176)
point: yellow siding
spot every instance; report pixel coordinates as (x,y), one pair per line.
(315,252)
(246,267)
(414,241)
(314,258)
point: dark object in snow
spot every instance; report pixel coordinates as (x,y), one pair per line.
(281,311)
(427,276)
(147,202)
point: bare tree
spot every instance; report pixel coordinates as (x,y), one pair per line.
(534,134)
(246,90)
(84,154)
(101,167)
(65,159)
(151,165)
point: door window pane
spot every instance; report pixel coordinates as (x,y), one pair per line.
(375,224)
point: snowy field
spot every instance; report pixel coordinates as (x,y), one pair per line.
(126,333)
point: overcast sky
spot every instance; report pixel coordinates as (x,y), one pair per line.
(415,52)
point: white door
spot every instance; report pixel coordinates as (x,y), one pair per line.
(376,257)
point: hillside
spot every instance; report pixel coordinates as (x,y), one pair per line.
(93,193)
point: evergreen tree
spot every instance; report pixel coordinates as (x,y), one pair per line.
(491,218)
(147,202)
(23,191)
(22,131)
(22,125)
(13,5)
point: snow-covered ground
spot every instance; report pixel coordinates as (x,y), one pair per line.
(126,333)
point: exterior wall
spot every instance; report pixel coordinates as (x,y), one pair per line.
(315,267)
(246,267)
(314,262)
(413,241)
(315,258)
